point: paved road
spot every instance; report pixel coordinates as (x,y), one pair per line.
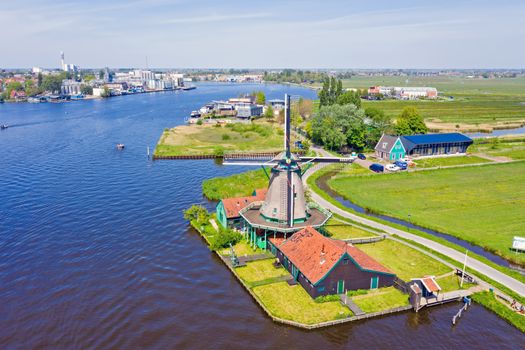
(472,264)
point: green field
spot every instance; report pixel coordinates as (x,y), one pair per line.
(404,261)
(381,299)
(477,103)
(238,185)
(293,303)
(339,230)
(513,148)
(448,161)
(207,139)
(260,271)
(484,205)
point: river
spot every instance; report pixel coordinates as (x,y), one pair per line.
(95,253)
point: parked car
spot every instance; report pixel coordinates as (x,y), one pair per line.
(401,164)
(378,168)
(361,156)
(392,167)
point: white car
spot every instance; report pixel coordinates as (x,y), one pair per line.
(392,167)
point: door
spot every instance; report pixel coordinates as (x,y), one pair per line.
(374,282)
(340,287)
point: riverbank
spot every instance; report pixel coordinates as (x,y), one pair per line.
(289,304)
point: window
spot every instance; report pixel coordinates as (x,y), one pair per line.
(320,289)
(345,261)
(385,144)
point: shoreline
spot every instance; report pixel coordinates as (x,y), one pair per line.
(306,326)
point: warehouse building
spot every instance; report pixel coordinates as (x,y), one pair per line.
(397,147)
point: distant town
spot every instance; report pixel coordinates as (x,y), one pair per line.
(71,82)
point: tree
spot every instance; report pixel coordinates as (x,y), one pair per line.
(332,89)
(197,213)
(306,108)
(14,85)
(410,122)
(52,83)
(88,78)
(101,74)
(268,114)
(336,126)
(106,92)
(39,79)
(350,97)
(86,90)
(260,98)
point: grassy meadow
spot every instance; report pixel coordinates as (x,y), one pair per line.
(381,299)
(449,161)
(508,147)
(484,205)
(404,261)
(477,104)
(216,139)
(339,230)
(293,303)
(238,185)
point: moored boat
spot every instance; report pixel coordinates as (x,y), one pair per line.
(120,146)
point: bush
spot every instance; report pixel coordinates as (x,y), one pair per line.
(226,137)
(199,122)
(224,239)
(353,293)
(326,298)
(218,151)
(197,213)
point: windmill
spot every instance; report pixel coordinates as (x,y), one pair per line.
(284,209)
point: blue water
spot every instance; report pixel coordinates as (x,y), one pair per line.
(94,251)
(502,132)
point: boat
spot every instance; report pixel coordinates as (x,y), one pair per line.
(120,146)
(195,114)
(4,126)
(186,88)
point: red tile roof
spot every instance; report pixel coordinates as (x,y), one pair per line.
(233,205)
(430,284)
(277,241)
(314,254)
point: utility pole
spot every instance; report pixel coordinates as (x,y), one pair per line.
(464,267)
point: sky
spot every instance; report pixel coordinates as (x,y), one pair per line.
(263,34)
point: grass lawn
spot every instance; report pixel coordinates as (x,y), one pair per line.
(448,161)
(381,299)
(484,205)
(242,248)
(404,261)
(260,270)
(293,303)
(207,139)
(238,185)
(339,230)
(451,282)
(513,148)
